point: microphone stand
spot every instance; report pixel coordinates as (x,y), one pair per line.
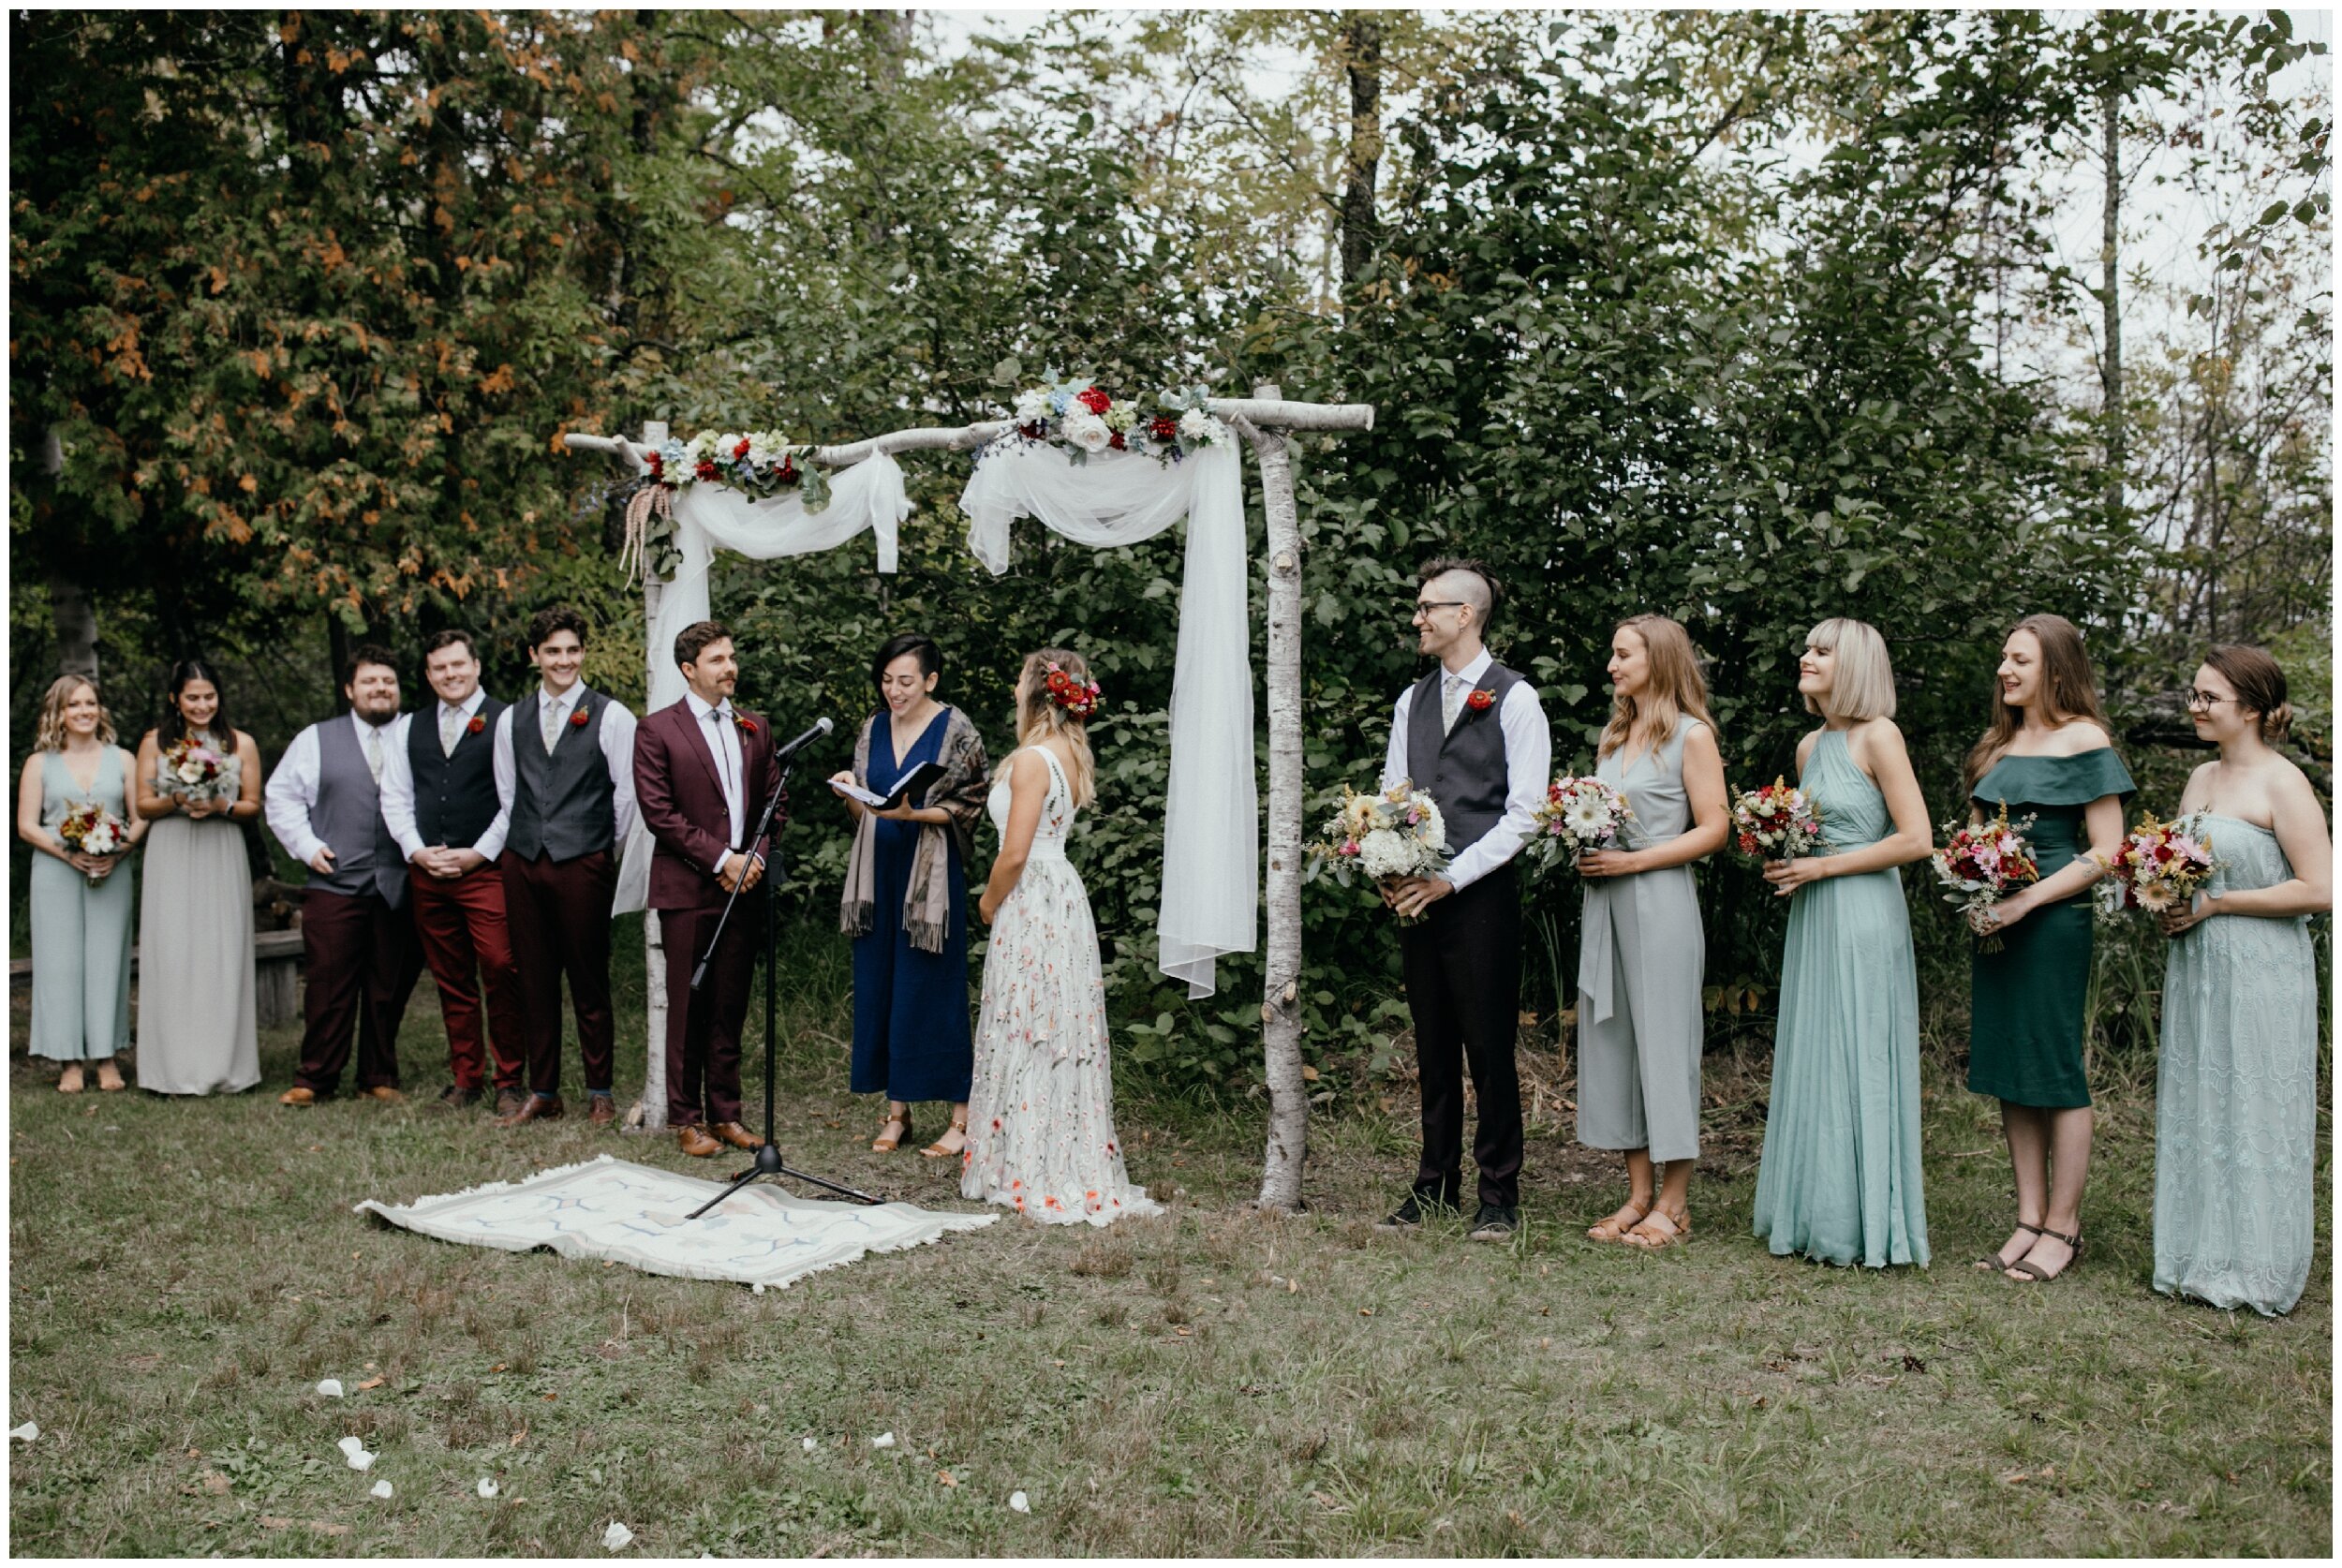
(769,1162)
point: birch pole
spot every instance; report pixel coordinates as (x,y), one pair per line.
(650,1114)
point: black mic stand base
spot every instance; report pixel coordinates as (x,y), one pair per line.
(768,1164)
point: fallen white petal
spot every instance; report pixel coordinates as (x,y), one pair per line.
(760,1287)
(488,1487)
(382,1488)
(30,1430)
(331,1388)
(362,1460)
(884,1439)
(350,1445)
(616,1536)
(1019,1503)
(810,1445)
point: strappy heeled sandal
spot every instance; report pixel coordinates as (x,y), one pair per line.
(2026,1265)
(1994,1266)
(936,1149)
(1610,1230)
(885,1144)
(1665,1230)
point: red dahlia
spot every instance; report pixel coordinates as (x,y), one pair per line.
(1096,400)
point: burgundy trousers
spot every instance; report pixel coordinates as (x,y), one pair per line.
(703,1029)
(559,915)
(360,961)
(462,928)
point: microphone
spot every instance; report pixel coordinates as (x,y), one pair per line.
(820,726)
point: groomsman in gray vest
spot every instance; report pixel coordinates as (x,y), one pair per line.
(564,771)
(360,957)
(1471,734)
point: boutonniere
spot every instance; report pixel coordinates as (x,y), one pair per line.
(1481,699)
(476,725)
(747,726)
(579,719)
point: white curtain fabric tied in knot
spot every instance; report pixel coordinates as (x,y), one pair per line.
(1211,809)
(708,518)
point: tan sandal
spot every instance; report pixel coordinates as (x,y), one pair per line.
(936,1149)
(885,1144)
(1610,1230)
(1659,1229)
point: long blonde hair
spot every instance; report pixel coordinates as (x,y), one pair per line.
(1038,718)
(48,735)
(1675,688)
(2068,691)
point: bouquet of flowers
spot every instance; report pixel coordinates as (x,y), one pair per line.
(93,830)
(1083,420)
(1580,814)
(1397,832)
(1778,822)
(1981,864)
(2160,866)
(193,771)
(759,463)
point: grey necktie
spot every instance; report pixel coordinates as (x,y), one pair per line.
(552,715)
(450,727)
(374,751)
(1451,698)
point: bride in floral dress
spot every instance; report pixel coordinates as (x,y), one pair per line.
(1041,1133)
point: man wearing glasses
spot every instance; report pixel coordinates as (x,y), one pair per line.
(1471,735)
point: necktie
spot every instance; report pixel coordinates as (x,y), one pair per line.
(374,751)
(1451,698)
(450,725)
(552,716)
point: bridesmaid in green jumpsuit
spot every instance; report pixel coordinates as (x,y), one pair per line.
(2048,754)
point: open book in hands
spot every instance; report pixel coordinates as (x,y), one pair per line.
(913,785)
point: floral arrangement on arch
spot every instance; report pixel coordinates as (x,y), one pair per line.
(758,462)
(1082,419)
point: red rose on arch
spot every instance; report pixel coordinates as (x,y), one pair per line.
(579,719)
(1096,400)
(1163,428)
(705,471)
(657,465)
(1116,442)
(476,725)
(741,451)
(1482,699)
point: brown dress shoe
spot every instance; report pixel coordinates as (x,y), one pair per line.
(537,1107)
(601,1109)
(737,1135)
(385,1093)
(509,1100)
(692,1139)
(298,1096)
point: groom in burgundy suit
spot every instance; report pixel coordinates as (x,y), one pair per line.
(702,773)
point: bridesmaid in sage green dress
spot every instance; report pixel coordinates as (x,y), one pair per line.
(81,903)
(2237,1091)
(2048,755)
(1840,1179)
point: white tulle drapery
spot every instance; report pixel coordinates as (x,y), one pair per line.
(708,518)
(1211,828)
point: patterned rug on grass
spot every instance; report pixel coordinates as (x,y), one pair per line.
(634,1215)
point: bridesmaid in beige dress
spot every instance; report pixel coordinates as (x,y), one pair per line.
(196,1015)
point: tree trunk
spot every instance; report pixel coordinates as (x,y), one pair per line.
(2110,302)
(71,620)
(651,1114)
(1362,61)
(1281,1011)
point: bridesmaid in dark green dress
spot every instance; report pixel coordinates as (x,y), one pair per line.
(2048,755)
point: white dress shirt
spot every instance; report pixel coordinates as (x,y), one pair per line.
(1528,769)
(723,738)
(292,789)
(617,755)
(399,785)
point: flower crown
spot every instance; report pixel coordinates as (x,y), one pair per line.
(1076,696)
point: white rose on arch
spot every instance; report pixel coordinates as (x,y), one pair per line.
(1086,430)
(1033,408)
(1200,429)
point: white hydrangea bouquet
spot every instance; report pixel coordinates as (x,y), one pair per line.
(1397,832)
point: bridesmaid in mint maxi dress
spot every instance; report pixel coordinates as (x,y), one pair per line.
(2236,1092)
(2048,755)
(1840,1181)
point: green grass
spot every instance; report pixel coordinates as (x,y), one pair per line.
(183,1273)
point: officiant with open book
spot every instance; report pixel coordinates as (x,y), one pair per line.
(916,788)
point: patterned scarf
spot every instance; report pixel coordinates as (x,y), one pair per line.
(961,792)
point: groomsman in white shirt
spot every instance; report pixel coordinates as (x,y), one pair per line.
(360,957)
(565,773)
(440,801)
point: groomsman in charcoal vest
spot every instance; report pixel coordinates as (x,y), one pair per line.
(702,772)
(439,802)
(1471,734)
(361,959)
(564,771)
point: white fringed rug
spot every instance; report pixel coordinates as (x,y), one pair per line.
(634,1215)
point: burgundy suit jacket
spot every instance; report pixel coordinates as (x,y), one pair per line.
(681,796)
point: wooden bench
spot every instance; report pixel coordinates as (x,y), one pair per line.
(275,977)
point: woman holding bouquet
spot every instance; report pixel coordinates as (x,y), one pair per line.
(906,903)
(1041,1133)
(1840,1177)
(2236,1090)
(2048,754)
(81,914)
(1641,954)
(198,777)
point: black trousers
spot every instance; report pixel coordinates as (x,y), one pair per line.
(1462,966)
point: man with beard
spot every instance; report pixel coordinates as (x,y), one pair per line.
(361,959)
